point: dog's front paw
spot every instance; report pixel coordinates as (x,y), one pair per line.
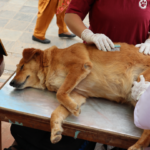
(135,147)
(56,135)
(55,139)
(75,110)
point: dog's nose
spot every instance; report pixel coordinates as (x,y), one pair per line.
(12,83)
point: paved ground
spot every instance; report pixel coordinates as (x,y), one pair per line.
(17,22)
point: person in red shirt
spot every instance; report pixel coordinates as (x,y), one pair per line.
(115,20)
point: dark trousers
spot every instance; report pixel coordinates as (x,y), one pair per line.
(33,139)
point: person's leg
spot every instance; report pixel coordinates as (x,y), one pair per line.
(44,18)
(33,139)
(62,26)
(61,23)
(26,138)
(20,135)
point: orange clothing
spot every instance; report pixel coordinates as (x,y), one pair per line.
(62,5)
(47,10)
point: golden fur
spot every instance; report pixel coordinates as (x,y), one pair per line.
(82,71)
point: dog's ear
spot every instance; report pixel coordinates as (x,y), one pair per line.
(28,53)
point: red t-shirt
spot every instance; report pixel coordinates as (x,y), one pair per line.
(121,20)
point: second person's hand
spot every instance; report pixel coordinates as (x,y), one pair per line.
(144,47)
(101,41)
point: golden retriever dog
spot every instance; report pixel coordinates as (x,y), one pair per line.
(81,71)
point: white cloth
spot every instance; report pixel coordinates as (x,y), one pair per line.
(141,92)
(101,41)
(142,111)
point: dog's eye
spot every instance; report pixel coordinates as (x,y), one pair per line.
(21,67)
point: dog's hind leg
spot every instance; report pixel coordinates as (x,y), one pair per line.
(59,114)
(146,75)
(76,73)
(143,142)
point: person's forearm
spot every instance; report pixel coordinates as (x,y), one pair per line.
(75,23)
(77,26)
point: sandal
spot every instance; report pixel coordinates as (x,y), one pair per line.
(15,146)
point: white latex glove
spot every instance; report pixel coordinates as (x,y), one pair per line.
(101,41)
(139,88)
(144,47)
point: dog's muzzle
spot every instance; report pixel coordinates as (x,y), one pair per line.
(14,83)
(17,84)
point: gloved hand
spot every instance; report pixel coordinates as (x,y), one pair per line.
(101,41)
(139,88)
(144,47)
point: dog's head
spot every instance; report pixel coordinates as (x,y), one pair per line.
(28,69)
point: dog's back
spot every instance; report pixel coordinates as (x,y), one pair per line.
(113,72)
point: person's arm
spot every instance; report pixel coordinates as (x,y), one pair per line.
(75,23)
(141,92)
(145,47)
